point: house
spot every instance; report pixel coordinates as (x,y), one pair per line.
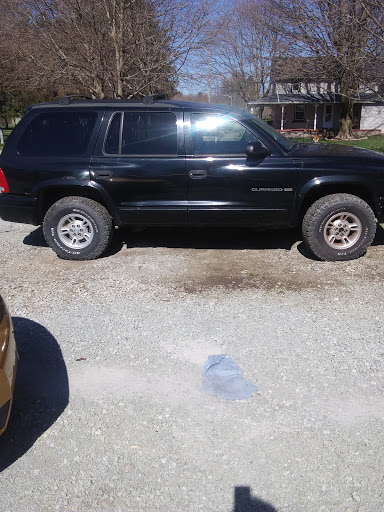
(302,97)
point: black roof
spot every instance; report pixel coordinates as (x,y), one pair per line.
(139,103)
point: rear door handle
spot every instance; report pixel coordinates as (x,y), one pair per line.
(102,174)
(198,174)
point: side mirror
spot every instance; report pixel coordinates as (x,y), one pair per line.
(256,149)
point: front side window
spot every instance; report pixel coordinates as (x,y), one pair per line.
(142,133)
(215,134)
(57,134)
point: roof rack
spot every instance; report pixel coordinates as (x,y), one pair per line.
(150,98)
(65,100)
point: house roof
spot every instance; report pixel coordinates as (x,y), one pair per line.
(275,98)
(319,69)
(304,69)
(315,70)
(327,97)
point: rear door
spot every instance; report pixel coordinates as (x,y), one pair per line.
(140,162)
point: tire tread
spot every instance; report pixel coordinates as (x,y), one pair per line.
(322,207)
(105,232)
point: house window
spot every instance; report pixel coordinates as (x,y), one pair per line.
(328,116)
(299,113)
(296,87)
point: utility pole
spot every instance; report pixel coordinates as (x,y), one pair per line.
(209,74)
(228,96)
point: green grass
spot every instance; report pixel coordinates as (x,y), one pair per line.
(5,134)
(375,142)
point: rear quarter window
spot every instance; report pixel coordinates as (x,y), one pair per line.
(57,134)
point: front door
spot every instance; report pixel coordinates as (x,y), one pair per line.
(225,186)
(328,115)
(140,164)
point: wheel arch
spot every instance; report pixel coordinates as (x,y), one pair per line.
(51,192)
(321,187)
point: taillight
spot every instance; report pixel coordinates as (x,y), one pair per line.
(4,189)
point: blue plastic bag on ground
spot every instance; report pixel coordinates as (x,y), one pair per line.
(222,377)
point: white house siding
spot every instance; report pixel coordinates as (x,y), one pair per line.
(372,117)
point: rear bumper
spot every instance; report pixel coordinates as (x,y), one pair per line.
(19,209)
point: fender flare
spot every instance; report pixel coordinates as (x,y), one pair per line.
(48,185)
(321,181)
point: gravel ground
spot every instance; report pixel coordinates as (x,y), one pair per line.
(108,412)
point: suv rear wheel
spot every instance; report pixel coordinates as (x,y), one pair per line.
(339,227)
(77,228)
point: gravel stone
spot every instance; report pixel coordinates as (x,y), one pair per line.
(108,412)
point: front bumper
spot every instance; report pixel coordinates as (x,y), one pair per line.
(19,209)
(8,364)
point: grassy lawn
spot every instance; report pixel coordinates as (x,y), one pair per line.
(5,134)
(375,142)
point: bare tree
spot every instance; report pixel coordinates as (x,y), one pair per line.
(335,32)
(242,49)
(374,10)
(105,48)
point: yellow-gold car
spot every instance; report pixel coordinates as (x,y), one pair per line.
(8,363)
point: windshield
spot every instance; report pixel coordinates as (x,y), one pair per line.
(262,125)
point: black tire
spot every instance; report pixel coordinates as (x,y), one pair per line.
(77,228)
(339,227)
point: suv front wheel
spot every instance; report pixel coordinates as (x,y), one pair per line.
(339,227)
(77,228)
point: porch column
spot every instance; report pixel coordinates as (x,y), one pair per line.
(315,120)
(282,118)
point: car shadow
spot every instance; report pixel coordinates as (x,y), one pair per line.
(208,238)
(36,238)
(188,237)
(41,390)
(245,502)
(379,238)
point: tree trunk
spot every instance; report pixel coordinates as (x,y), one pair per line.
(346,116)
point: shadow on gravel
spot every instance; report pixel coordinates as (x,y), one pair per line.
(36,238)
(202,238)
(209,238)
(379,238)
(41,390)
(244,502)
(190,238)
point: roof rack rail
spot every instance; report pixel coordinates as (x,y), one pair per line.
(150,98)
(65,100)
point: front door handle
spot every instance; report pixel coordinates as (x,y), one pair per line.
(197,175)
(103,174)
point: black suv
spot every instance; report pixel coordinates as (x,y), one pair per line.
(82,167)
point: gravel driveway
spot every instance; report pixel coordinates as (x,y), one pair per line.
(108,412)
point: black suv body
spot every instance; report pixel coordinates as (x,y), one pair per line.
(82,167)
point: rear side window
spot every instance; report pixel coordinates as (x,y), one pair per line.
(142,133)
(57,134)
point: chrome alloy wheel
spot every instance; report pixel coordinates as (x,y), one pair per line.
(75,231)
(342,230)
